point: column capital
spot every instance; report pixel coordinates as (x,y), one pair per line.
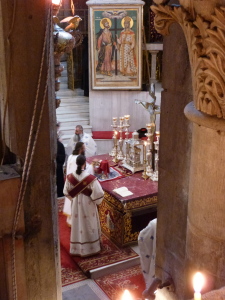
(203,119)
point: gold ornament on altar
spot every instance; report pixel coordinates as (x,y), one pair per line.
(133,160)
(138,154)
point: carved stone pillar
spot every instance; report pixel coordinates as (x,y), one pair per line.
(203,26)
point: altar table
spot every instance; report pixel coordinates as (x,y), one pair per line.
(122,218)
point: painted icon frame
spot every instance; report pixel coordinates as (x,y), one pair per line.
(115,45)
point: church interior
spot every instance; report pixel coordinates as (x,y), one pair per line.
(146,81)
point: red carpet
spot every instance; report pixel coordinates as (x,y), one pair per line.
(70,272)
(110,252)
(115,284)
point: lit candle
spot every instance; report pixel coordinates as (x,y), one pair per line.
(144,151)
(127,295)
(198,282)
(56,2)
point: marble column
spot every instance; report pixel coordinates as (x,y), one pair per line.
(154,49)
(153,65)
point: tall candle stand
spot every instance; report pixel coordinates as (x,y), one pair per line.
(114,126)
(156,144)
(150,128)
(115,159)
(120,142)
(127,145)
(126,126)
(144,174)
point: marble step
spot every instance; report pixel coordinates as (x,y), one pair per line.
(74,100)
(73,121)
(73,109)
(113,268)
(69,130)
(73,117)
(68,103)
(67,93)
(63,85)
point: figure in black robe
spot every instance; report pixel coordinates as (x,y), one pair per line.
(60,159)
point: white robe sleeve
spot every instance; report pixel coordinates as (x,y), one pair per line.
(90,145)
(67,187)
(97,192)
(147,247)
(90,169)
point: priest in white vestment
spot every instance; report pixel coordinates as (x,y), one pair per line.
(81,136)
(86,193)
(70,168)
(147,247)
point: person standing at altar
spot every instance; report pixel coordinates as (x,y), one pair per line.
(85,193)
(81,136)
(70,168)
(60,160)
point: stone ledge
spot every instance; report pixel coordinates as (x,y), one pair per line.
(203,119)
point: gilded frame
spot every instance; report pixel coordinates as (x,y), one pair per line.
(123,45)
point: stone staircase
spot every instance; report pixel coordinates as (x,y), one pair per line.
(73,109)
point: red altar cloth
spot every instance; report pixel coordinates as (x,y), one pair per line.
(135,183)
(123,217)
(104,167)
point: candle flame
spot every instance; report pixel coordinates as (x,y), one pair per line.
(145,144)
(56,2)
(198,282)
(126,295)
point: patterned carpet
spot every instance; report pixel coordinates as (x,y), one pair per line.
(114,285)
(109,254)
(70,272)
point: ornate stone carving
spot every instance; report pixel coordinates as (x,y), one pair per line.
(206,45)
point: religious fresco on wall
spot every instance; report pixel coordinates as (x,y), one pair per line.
(116,48)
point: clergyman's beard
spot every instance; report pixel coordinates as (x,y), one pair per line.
(77,137)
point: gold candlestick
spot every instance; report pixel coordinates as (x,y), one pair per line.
(116,153)
(144,174)
(126,125)
(112,153)
(120,142)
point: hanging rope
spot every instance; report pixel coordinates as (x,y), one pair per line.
(31,143)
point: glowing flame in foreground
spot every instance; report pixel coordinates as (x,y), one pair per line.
(198,282)
(56,2)
(127,295)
